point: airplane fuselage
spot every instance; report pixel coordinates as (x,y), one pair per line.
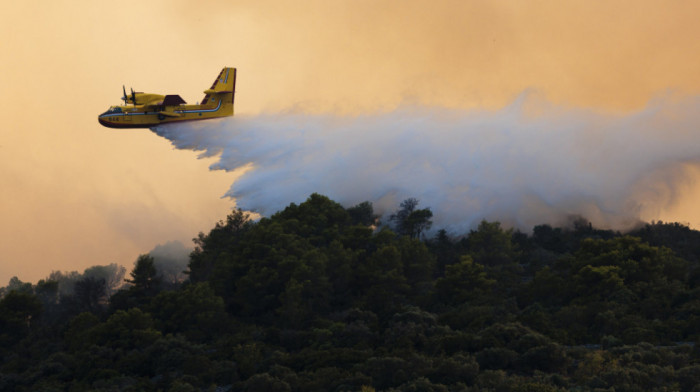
(135,117)
(149,110)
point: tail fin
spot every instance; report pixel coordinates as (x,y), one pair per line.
(224,84)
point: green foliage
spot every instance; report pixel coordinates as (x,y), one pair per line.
(47,291)
(410,221)
(195,311)
(131,329)
(210,247)
(74,336)
(17,285)
(144,275)
(316,297)
(19,311)
(490,245)
(112,274)
(90,293)
(463,282)
(363,214)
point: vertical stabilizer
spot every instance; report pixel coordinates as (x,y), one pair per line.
(224,88)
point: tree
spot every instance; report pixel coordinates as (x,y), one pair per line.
(47,292)
(490,245)
(16,285)
(66,281)
(171,261)
(446,250)
(144,275)
(418,267)
(195,311)
(597,282)
(131,329)
(18,310)
(209,247)
(381,282)
(363,214)
(318,219)
(112,274)
(90,293)
(463,281)
(411,221)
(265,382)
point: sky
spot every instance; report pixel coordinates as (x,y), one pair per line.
(74,194)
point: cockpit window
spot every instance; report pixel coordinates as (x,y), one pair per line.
(112,110)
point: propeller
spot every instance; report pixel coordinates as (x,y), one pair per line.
(133,96)
(124,98)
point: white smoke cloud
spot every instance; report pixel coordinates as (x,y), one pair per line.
(171,260)
(509,165)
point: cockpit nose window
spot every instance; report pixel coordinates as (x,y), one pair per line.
(112,110)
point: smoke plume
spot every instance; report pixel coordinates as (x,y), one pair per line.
(170,260)
(529,163)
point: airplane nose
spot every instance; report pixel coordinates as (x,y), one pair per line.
(105,123)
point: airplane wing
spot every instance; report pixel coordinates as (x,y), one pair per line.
(170,101)
(173,100)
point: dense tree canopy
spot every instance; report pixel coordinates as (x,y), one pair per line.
(319,297)
(411,221)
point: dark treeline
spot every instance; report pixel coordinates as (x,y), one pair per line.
(320,298)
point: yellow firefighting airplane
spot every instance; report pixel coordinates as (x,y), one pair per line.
(142,110)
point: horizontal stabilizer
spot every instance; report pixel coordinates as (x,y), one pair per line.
(210,91)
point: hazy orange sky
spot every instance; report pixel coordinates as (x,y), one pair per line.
(74,194)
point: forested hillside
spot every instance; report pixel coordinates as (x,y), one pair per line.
(319,297)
